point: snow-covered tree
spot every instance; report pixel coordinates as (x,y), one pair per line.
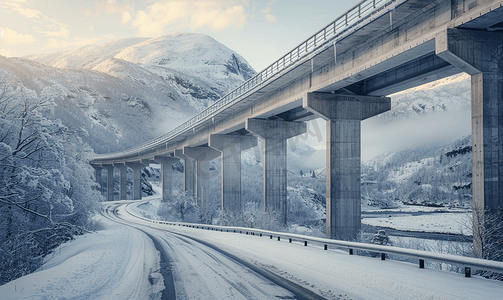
(46,194)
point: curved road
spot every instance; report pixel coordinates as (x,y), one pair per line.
(196,269)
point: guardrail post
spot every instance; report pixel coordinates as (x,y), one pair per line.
(383,256)
(421,264)
(468,272)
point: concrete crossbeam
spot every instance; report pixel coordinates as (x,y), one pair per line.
(480,54)
(202,156)
(122,180)
(189,174)
(230,147)
(110,181)
(166,163)
(136,167)
(345,107)
(275,133)
(344,114)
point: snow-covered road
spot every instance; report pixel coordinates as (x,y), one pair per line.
(196,269)
(121,262)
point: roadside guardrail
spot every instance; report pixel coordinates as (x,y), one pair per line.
(468,263)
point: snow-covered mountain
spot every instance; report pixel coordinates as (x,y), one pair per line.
(128,91)
(451,94)
(199,68)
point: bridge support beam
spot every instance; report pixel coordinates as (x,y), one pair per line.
(230,147)
(97,177)
(344,114)
(480,54)
(110,181)
(166,163)
(275,133)
(122,180)
(202,156)
(136,167)
(189,174)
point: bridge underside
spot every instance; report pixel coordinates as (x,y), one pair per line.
(345,81)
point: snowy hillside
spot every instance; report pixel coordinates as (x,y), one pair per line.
(116,112)
(128,91)
(450,94)
(430,176)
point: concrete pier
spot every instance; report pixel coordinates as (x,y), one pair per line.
(136,167)
(343,114)
(480,54)
(97,177)
(166,163)
(110,181)
(275,133)
(122,180)
(202,156)
(189,173)
(231,147)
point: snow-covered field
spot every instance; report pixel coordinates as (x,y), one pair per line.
(121,262)
(454,223)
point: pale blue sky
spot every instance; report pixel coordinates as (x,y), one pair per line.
(261,31)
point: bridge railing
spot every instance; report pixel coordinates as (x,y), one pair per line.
(469,263)
(329,33)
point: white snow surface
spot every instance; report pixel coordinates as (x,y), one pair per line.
(116,263)
(454,223)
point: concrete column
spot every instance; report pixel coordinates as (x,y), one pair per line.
(343,114)
(275,133)
(202,156)
(110,182)
(230,147)
(480,54)
(166,163)
(136,167)
(122,180)
(97,176)
(189,173)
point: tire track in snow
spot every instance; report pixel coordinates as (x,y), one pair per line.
(224,267)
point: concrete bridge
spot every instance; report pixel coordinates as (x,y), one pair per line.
(342,74)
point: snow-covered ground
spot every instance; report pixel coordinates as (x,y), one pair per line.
(116,263)
(121,262)
(454,223)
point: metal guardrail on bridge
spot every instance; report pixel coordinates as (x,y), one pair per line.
(337,29)
(469,263)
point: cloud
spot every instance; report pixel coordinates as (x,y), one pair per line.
(213,14)
(126,17)
(63,32)
(107,7)
(11,37)
(27,12)
(270,18)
